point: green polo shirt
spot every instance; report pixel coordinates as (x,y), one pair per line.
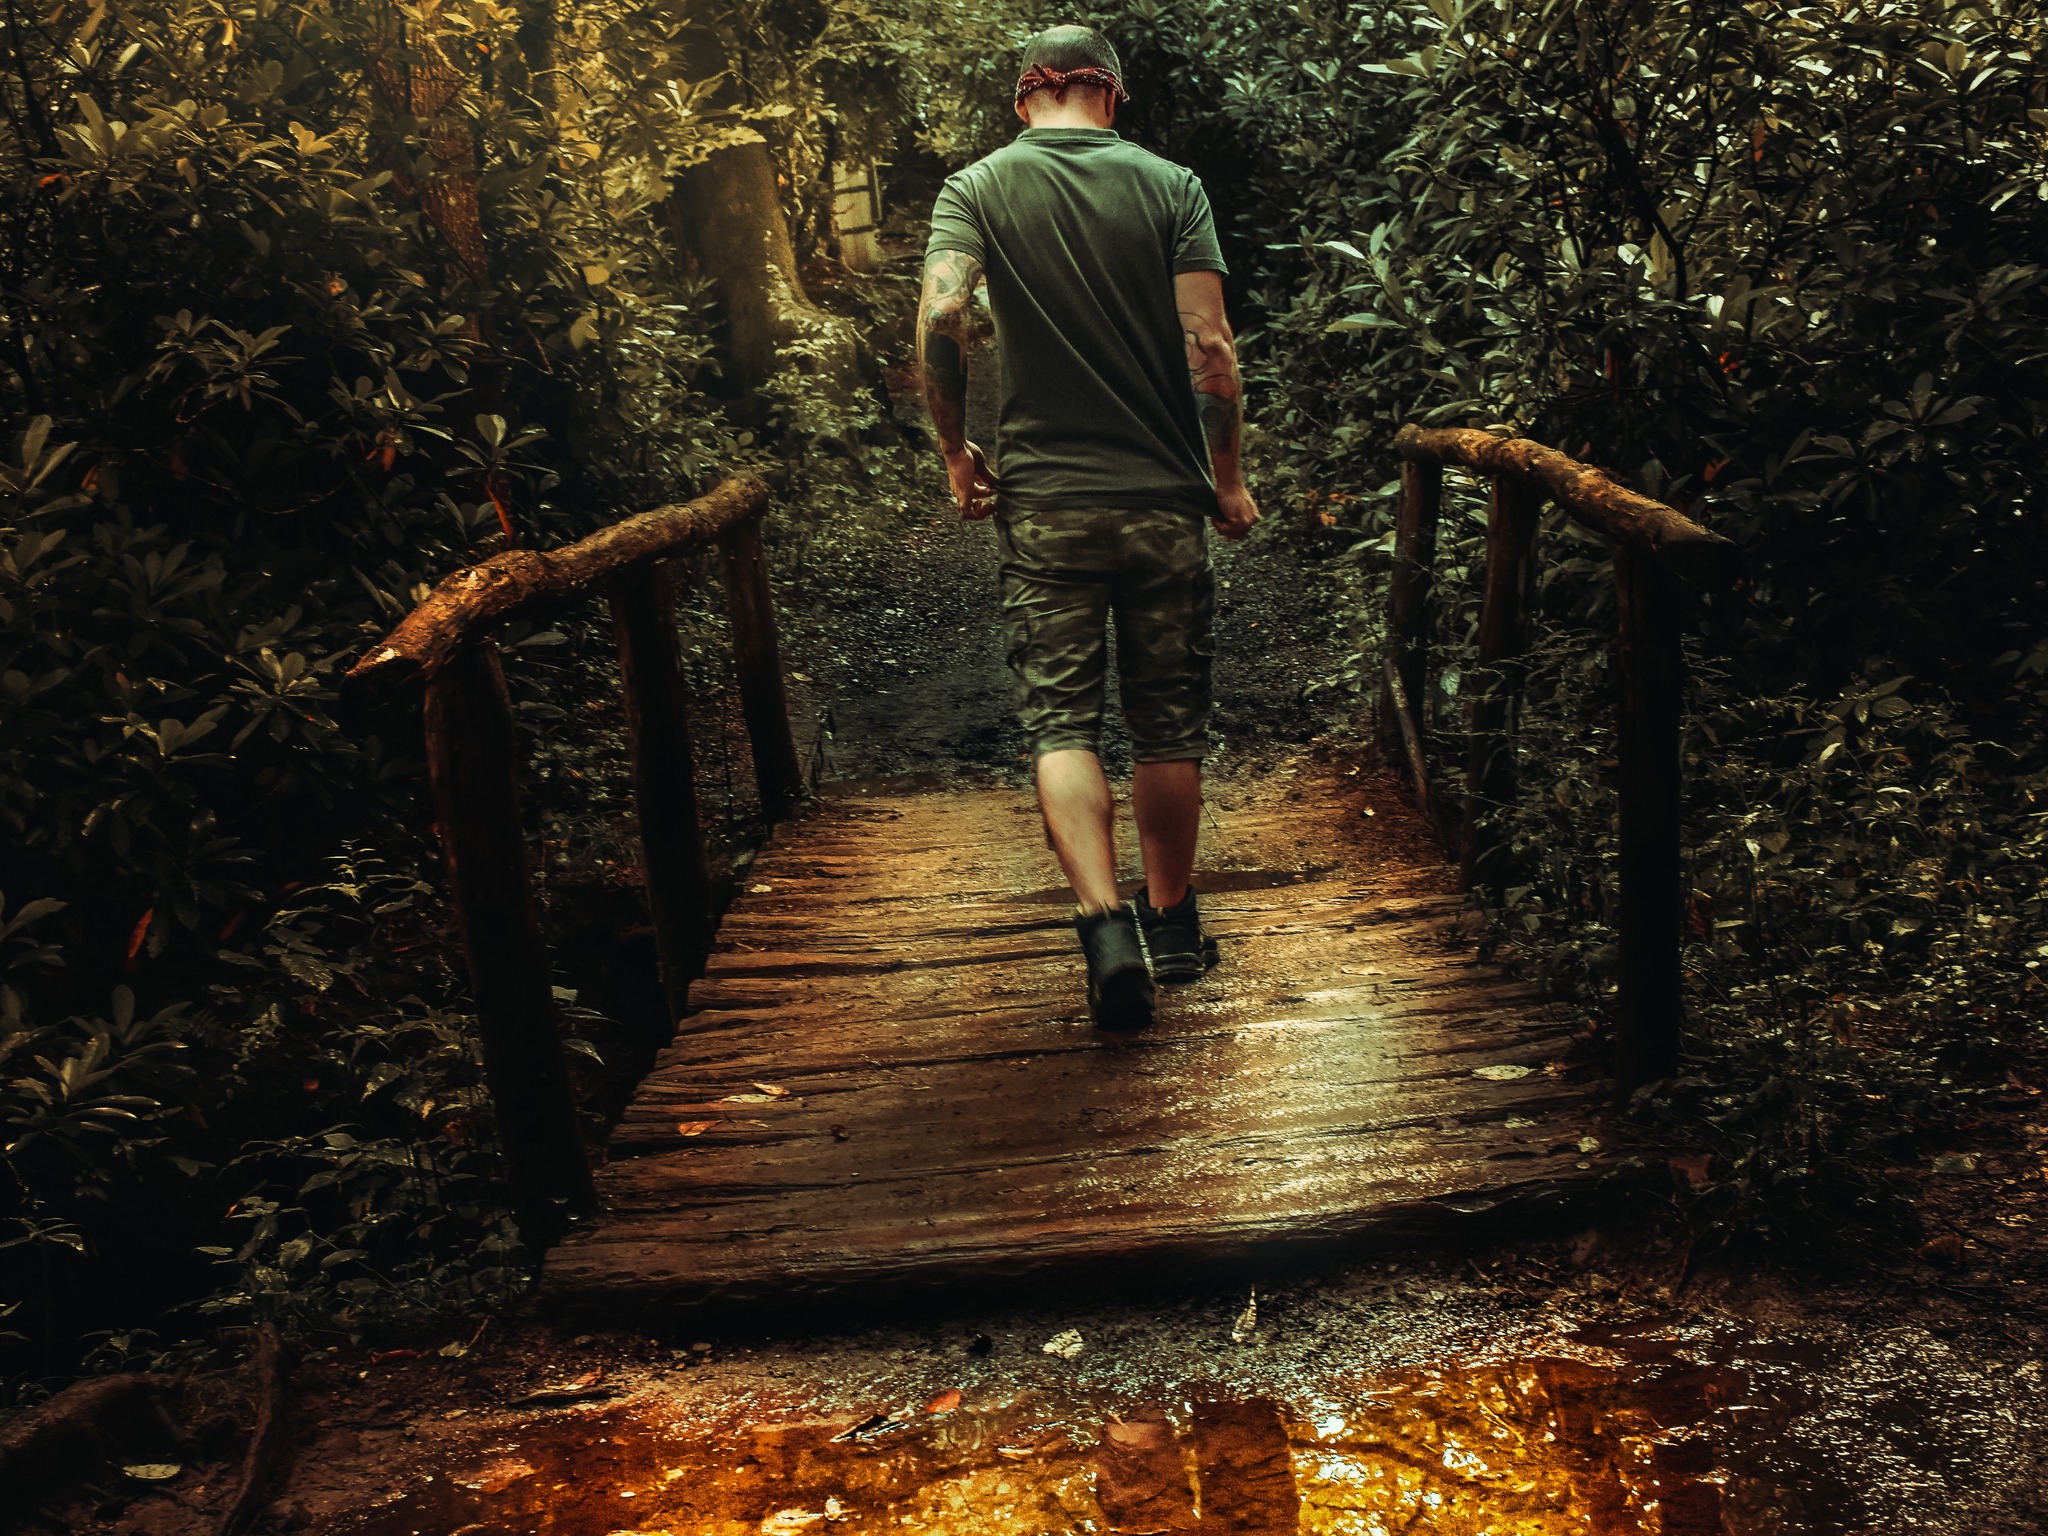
(1081,234)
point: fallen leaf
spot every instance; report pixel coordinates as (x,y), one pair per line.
(135,946)
(945,1402)
(1589,1143)
(772,1091)
(759,890)
(696,1127)
(584,1386)
(868,1425)
(1946,1249)
(393,1356)
(1503,1073)
(495,1475)
(1064,1346)
(748,1098)
(154,1471)
(1954,1162)
(1694,1167)
(1247,1321)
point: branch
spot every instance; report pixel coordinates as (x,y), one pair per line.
(266,1439)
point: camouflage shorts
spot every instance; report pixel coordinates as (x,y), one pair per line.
(1064,573)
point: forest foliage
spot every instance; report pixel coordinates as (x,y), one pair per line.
(305,306)
(1781,266)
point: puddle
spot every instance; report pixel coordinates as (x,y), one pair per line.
(1671,1432)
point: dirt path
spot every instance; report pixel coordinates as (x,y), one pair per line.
(898,638)
(915,682)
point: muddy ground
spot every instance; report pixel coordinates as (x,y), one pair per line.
(1601,1380)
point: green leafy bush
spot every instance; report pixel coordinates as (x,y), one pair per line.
(1782,268)
(277,353)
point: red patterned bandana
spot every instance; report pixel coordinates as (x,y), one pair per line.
(1039,78)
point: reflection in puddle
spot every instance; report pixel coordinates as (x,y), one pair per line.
(1672,1433)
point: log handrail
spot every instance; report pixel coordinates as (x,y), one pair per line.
(523,581)
(1659,551)
(1703,557)
(448,643)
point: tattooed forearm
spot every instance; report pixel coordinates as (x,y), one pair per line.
(1219,391)
(944,335)
(1221,408)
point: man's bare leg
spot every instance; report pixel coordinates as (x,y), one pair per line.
(1167,798)
(1080,814)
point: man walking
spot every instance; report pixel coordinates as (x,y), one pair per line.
(1117,440)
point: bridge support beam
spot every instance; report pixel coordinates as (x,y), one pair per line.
(757,654)
(657,708)
(1650,927)
(1402,717)
(472,764)
(1512,511)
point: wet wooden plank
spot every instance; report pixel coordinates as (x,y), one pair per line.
(902,969)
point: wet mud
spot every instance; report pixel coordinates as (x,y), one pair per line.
(1663,1429)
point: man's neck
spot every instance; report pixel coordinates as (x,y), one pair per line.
(1071,113)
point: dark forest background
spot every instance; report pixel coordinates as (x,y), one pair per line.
(302,307)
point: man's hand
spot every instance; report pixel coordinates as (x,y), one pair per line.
(974,483)
(1235,513)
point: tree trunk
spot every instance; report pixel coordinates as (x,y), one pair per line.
(726,220)
(530,64)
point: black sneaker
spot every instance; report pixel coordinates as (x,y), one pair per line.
(1119,980)
(1173,938)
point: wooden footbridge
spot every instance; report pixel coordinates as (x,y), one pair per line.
(883,1079)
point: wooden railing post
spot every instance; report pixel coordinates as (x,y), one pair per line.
(1492,686)
(758,657)
(679,897)
(1657,549)
(472,763)
(1408,595)
(1652,781)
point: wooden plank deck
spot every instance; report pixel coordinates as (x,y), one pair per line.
(893,1043)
